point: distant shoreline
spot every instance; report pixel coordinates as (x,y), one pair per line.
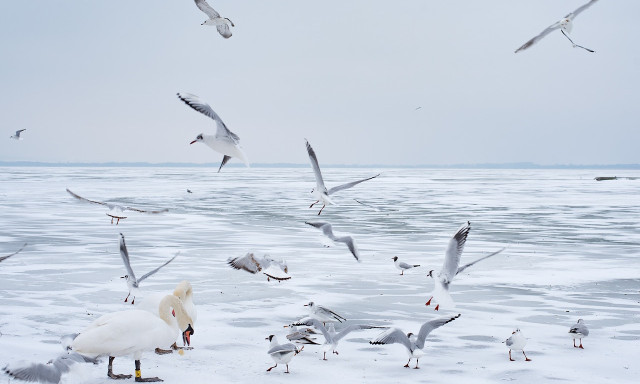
(292,165)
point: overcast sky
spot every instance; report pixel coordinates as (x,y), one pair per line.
(96,81)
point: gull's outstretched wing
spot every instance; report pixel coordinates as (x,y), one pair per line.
(349,185)
(324,226)
(316,168)
(224,30)
(351,244)
(87,200)
(248,262)
(222,131)
(157,269)
(206,8)
(480,259)
(46,373)
(580,9)
(430,326)
(350,328)
(143,211)
(125,258)
(454,252)
(394,335)
(14,253)
(542,34)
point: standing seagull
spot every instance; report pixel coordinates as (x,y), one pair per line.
(320,192)
(281,353)
(402,266)
(132,282)
(17,135)
(221,23)
(413,343)
(517,341)
(224,141)
(323,314)
(3,258)
(115,211)
(348,240)
(331,338)
(450,267)
(578,331)
(564,24)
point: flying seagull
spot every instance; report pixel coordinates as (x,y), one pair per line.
(17,134)
(348,240)
(253,264)
(2,258)
(48,373)
(564,24)
(320,192)
(331,338)
(413,343)
(224,141)
(578,331)
(516,342)
(115,211)
(221,23)
(451,267)
(132,282)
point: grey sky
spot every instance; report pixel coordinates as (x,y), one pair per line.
(96,81)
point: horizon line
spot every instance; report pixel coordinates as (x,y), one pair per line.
(133,164)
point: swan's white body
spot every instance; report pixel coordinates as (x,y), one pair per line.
(124,333)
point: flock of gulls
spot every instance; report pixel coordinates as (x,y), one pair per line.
(134,331)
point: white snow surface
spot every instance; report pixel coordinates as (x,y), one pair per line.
(573,248)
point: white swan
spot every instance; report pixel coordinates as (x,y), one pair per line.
(116,334)
(184,292)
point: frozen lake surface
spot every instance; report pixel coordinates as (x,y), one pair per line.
(573,251)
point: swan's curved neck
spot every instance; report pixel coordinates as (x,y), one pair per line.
(164,311)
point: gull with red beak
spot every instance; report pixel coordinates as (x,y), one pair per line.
(224,141)
(516,342)
(413,343)
(451,267)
